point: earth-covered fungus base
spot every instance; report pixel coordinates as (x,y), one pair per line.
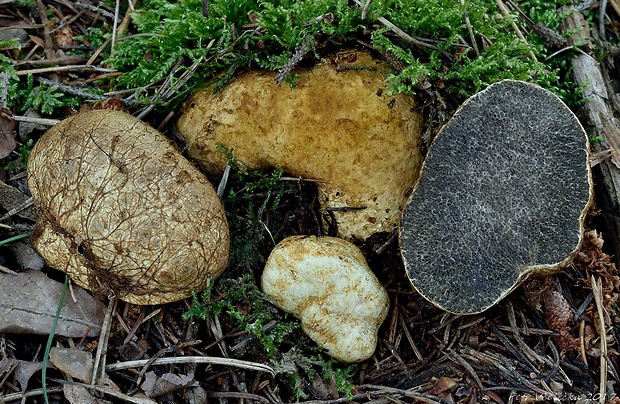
(122,212)
(503,193)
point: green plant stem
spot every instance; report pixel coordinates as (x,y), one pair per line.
(48,346)
(14,238)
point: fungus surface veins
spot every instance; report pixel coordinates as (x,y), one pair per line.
(112,218)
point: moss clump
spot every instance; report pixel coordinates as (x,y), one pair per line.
(232,36)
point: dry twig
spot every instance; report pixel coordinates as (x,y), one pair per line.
(506,12)
(597,290)
(102,347)
(402,34)
(470,30)
(237,363)
(64,69)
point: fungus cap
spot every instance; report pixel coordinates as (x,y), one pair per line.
(122,212)
(338,125)
(503,193)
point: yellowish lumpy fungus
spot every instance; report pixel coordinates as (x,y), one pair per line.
(338,125)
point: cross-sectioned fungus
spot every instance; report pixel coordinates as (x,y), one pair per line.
(338,125)
(327,284)
(503,194)
(122,212)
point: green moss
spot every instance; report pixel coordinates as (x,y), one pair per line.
(95,36)
(10,44)
(225,40)
(300,369)
(166,38)
(21,162)
(45,99)
(237,296)
(545,12)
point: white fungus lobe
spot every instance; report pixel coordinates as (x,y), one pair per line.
(327,284)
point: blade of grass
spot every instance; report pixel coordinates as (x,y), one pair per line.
(51,338)
(14,238)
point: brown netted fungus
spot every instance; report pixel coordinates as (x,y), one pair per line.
(503,194)
(338,125)
(122,212)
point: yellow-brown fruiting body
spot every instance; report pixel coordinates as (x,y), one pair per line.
(123,212)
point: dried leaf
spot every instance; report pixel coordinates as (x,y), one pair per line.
(25,370)
(108,384)
(26,128)
(154,386)
(26,256)
(5,365)
(14,33)
(196,395)
(7,133)
(320,388)
(79,395)
(37,40)
(12,198)
(132,350)
(443,384)
(28,304)
(73,362)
